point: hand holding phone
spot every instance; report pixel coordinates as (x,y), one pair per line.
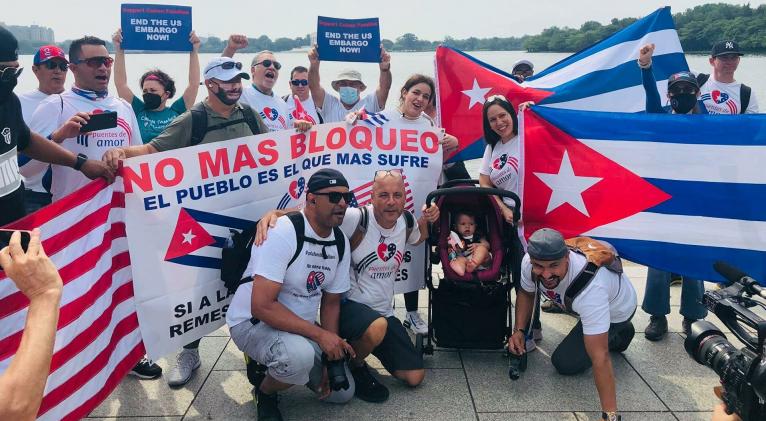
(24,238)
(29,268)
(100,121)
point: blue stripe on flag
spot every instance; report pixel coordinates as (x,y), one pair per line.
(220,220)
(471,151)
(198,261)
(721,200)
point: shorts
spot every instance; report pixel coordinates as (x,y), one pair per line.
(396,352)
(290,358)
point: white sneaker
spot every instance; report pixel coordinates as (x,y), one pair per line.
(414,322)
(186,362)
(531,345)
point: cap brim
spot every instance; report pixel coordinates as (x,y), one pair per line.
(334,83)
(729,52)
(228,75)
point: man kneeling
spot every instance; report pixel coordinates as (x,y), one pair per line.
(272,318)
(605,306)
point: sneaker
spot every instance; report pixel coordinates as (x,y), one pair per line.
(267,406)
(549,306)
(186,362)
(256,372)
(531,345)
(146,369)
(368,388)
(657,328)
(414,322)
(687,325)
(537,335)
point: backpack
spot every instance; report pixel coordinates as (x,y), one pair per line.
(598,254)
(200,127)
(234,259)
(744,92)
(364,221)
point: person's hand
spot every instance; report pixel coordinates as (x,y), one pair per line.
(71,128)
(324,385)
(237,41)
(334,346)
(645,55)
(385,59)
(354,116)
(267,222)
(431,213)
(449,143)
(302,125)
(94,169)
(507,214)
(524,105)
(719,414)
(471,247)
(196,43)
(313,55)
(117,39)
(516,344)
(33,272)
(112,157)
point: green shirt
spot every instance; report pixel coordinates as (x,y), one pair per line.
(178,133)
(151,123)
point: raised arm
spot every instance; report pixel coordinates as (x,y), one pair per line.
(315,86)
(190,94)
(236,42)
(120,72)
(653,100)
(384,81)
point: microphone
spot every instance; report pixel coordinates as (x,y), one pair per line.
(733,275)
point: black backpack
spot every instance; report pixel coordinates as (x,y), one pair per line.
(200,127)
(234,259)
(744,92)
(364,221)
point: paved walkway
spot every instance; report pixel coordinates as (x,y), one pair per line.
(655,381)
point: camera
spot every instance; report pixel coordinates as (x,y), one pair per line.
(336,373)
(742,371)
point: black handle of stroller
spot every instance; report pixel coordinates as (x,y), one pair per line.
(458,182)
(452,191)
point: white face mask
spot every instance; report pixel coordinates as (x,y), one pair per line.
(348,95)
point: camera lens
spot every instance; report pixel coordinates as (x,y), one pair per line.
(708,346)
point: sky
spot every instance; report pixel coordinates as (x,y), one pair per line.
(428,19)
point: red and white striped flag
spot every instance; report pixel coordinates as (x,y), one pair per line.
(363,194)
(98,340)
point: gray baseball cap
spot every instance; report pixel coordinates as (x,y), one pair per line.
(546,244)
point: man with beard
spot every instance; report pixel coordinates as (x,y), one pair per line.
(606,306)
(16,136)
(226,119)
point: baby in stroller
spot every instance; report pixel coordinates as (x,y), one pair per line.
(468,249)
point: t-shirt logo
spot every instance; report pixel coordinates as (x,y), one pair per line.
(296,187)
(719,97)
(7,135)
(386,251)
(271,113)
(499,163)
(314,281)
(553,295)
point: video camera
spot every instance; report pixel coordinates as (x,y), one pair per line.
(742,372)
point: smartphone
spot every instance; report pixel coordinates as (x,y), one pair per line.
(101,121)
(5,238)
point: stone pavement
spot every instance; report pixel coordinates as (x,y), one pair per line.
(655,381)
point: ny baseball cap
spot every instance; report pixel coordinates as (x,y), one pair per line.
(546,244)
(679,77)
(326,177)
(224,69)
(48,52)
(725,47)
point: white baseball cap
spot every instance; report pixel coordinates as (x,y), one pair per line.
(224,69)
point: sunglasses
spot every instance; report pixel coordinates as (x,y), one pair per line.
(385,173)
(51,65)
(267,63)
(96,62)
(496,98)
(335,196)
(299,82)
(227,65)
(10,73)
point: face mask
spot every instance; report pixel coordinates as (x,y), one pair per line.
(7,83)
(222,95)
(152,101)
(348,95)
(683,103)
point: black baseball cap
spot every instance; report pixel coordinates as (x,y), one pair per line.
(9,46)
(679,77)
(725,47)
(326,177)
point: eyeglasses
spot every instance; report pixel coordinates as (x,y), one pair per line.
(496,98)
(61,65)
(267,63)
(10,73)
(385,173)
(299,82)
(95,62)
(335,196)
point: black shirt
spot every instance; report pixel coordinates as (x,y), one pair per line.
(14,136)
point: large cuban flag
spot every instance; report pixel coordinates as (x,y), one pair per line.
(602,77)
(675,192)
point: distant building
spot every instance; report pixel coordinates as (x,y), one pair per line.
(33,33)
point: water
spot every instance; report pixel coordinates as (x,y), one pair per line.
(403,65)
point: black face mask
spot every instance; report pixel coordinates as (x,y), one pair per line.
(8,80)
(683,103)
(152,101)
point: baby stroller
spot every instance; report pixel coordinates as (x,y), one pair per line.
(473,310)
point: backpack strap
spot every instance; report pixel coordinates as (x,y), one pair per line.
(744,97)
(251,119)
(580,282)
(300,235)
(361,228)
(410,220)
(199,123)
(701,79)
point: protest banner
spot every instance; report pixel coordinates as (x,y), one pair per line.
(181,205)
(348,39)
(156,27)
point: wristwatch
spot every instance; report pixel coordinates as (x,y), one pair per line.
(81,158)
(610,416)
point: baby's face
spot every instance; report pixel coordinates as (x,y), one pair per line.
(466,225)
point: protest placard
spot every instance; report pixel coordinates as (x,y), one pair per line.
(348,39)
(156,27)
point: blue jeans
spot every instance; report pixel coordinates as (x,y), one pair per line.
(657,297)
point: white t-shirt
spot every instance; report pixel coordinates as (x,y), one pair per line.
(308,106)
(333,110)
(609,298)
(302,282)
(723,98)
(33,171)
(501,164)
(50,116)
(271,108)
(376,259)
